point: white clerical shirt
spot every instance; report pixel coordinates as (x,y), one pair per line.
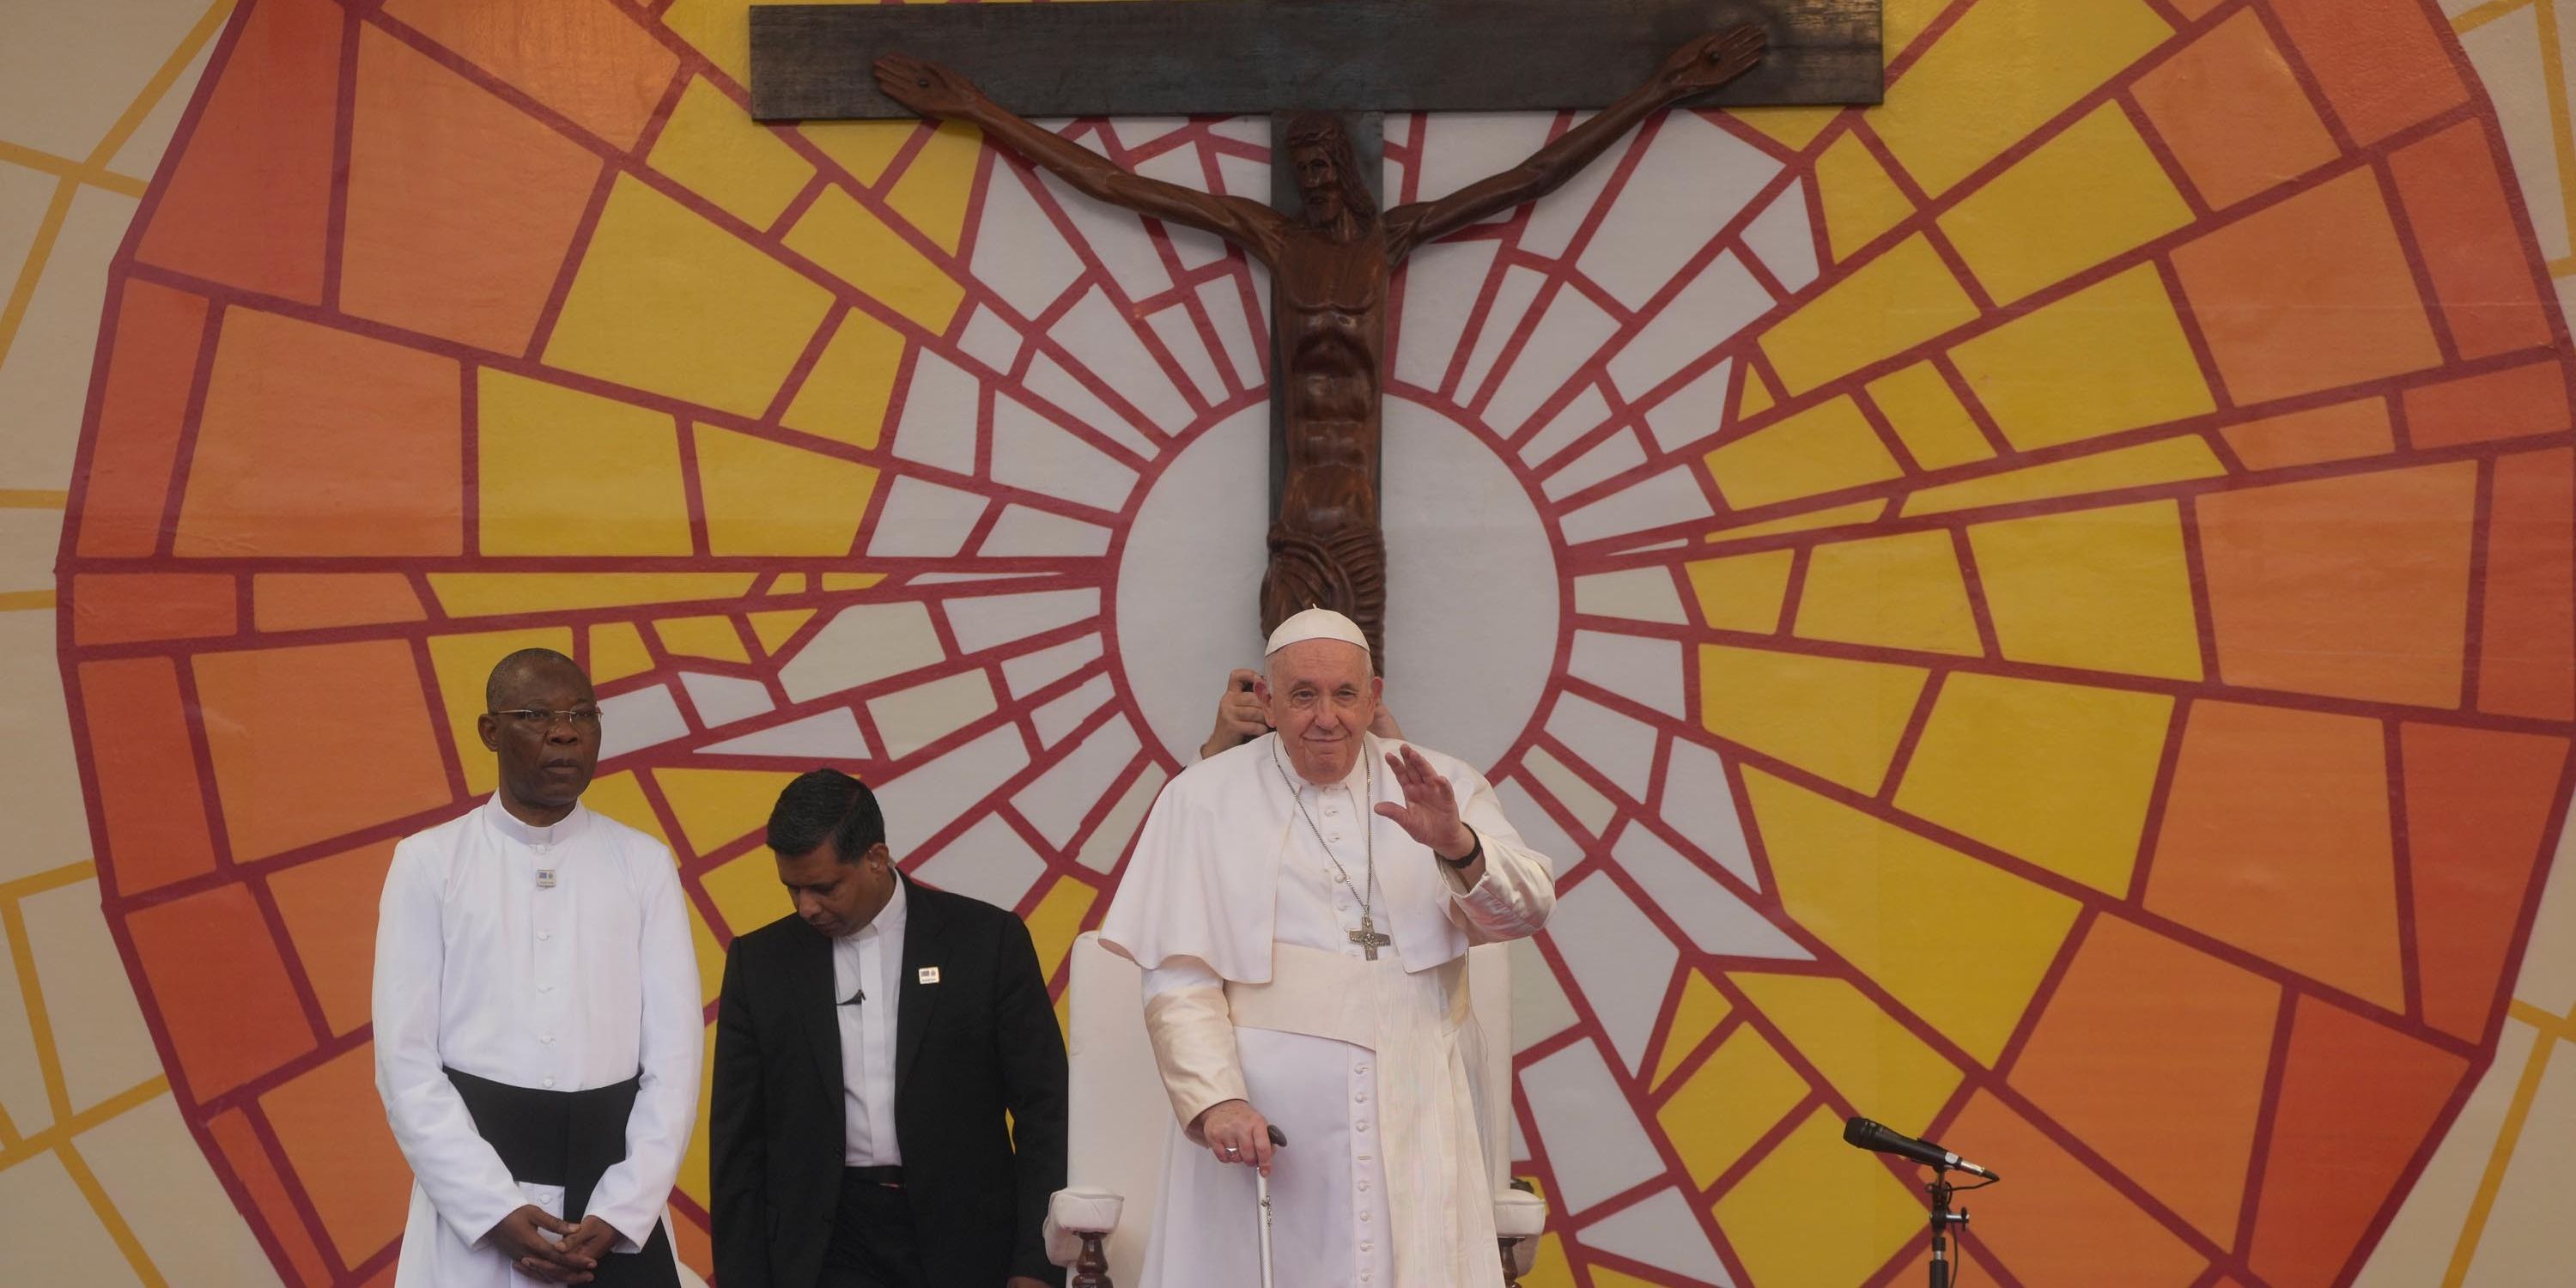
(868,964)
(556,958)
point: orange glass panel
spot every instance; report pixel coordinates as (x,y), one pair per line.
(250,199)
(224,994)
(149,375)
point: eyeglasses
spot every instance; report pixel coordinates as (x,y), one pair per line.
(582,719)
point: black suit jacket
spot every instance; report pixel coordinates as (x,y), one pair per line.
(980,1042)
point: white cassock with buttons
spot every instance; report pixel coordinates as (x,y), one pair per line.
(1256,989)
(555,958)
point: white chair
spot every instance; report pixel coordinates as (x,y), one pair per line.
(1096,1225)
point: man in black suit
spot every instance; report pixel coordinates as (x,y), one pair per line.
(867,1048)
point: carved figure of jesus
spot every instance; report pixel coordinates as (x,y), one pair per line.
(1329,269)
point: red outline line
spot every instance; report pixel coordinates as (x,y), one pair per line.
(343,132)
(184,456)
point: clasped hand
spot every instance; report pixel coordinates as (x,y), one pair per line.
(522,1235)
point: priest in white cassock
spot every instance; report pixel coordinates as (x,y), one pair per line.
(537,1020)
(1302,905)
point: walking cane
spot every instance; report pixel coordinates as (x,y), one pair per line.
(1261,1185)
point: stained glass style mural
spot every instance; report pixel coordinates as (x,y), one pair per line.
(2041,613)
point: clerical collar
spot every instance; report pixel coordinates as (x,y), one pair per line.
(889,919)
(530,835)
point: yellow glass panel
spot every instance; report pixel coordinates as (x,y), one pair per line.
(696,1158)
(1937,429)
(1742,592)
(1903,591)
(1868,1056)
(1822,449)
(1728,1104)
(2166,460)
(2104,590)
(1057,920)
(720,29)
(776,628)
(932,193)
(2083,197)
(669,302)
(463,663)
(717,807)
(2002,71)
(844,397)
(1701,1009)
(710,955)
(1859,198)
(1901,22)
(714,148)
(1754,397)
(1833,717)
(533,439)
(621,797)
(1605,1278)
(617,651)
(1887,901)
(1883,308)
(2108,358)
(1817,1211)
(851,243)
(710,636)
(486,594)
(764,498)
(746,892)
(1830,517)
(863,148)
(2059,774)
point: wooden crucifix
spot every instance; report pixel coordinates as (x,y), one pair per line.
(1308,63)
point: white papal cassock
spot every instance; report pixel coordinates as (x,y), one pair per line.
(1254,990)
(570,986)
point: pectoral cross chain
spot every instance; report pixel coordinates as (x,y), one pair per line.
(1367,937)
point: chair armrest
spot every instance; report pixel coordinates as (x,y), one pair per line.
(1519,1215)
(1074,1212)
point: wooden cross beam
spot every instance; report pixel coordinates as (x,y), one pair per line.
(1196,57)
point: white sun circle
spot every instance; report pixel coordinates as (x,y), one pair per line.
(1474,605)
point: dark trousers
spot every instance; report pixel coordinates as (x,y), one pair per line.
(873,1243)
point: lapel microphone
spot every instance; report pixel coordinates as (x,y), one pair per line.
(854,998)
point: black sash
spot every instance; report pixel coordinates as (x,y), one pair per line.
(571,1139)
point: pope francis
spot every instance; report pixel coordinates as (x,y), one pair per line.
(1302,906)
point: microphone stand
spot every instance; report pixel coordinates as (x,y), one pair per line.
(1942,1219)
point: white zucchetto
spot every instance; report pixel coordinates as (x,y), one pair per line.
(1315,624)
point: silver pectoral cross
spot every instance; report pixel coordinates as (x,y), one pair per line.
(1368,939)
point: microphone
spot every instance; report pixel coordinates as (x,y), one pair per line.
(1879,1140)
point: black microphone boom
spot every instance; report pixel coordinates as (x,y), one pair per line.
(1879,1140)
